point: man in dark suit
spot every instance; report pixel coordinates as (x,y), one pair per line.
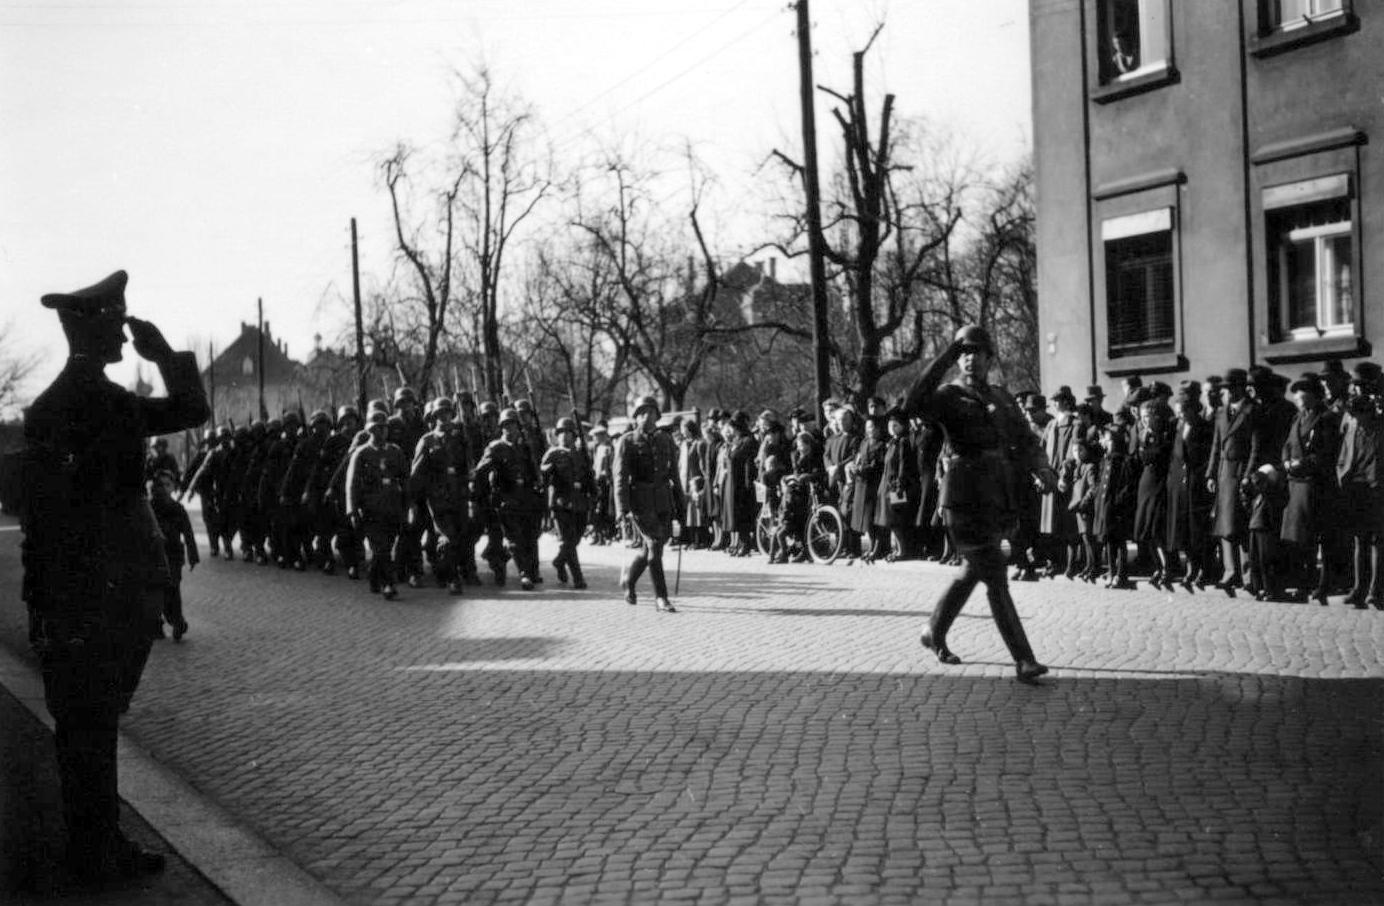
(95,571)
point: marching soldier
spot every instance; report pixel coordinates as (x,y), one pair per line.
(485,516)
(507,478)
(440,481)
(321,513)
(406,429)
(644,472)
(349,543)
(375,482)
(284,434)
(294,495)
(991,449)
(95,572)
(566,471)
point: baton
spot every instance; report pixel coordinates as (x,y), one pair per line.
(677,577)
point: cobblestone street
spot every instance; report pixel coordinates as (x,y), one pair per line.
(782,739)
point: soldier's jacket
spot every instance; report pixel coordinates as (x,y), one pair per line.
(506,476)
(569,478)
(991,446)
(474,435)
(254,471)
(644,471)
(375,483)
(91,545)
(300,467)
(441,474)
(337,485)
(332,456)
(275,467)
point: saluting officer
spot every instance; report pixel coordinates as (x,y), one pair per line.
(566,471)
(95,571)
(644,471)
(440,480)
(509,479)
(375,499)
(992,449)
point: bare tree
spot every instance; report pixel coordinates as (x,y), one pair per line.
(889,231)
(16,367)
(425,243)
(502,179)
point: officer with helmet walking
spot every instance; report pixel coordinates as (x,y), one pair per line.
(992,450)
(508,478)
(644,472)
(567,472)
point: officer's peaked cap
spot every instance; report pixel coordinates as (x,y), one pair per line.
(104,298)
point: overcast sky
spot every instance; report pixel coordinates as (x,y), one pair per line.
(218,150)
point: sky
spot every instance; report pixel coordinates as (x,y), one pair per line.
(218,149)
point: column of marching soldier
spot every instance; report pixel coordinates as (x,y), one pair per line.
(1223,483)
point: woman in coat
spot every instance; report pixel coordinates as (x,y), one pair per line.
(1189,500)
(896,498)
(1309,459)
(1115,498)
(693,480)
(735,475)
(1151,504)
(865,472)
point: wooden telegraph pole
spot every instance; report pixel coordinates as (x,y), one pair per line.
(211,381)
(815,242)
(259,367)
(360,323)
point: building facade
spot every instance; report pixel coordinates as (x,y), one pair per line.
(1210,185)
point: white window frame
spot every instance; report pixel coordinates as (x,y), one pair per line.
(1155,221)
(1314,11)
(1324,289)
(1153,21)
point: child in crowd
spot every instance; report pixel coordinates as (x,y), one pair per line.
(1268,497)
(1115,497)
(180,545)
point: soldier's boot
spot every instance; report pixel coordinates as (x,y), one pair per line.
(944,613)
(578,582)
(560,566)
(660,582)
(629,576)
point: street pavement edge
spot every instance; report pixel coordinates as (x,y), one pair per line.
(245,868)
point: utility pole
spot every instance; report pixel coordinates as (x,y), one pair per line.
(360,323)
(816,244)
(259,367)
(211,380)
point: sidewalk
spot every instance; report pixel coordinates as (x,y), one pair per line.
(782,739)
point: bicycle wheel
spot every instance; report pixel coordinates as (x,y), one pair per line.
(826,533)
(764,530)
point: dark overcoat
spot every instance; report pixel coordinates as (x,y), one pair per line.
(1309,458)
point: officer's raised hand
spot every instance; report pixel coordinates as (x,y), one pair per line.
(148,340)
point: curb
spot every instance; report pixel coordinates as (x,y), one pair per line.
(245,868)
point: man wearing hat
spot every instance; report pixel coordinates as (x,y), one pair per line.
(1095,398)
(95,569)
(1056,522)
(1227,467)
(991,451)
(507,476)
(1273,416)
(645,475)
(566,471)
(1360,473)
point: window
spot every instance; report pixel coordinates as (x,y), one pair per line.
(1139,283)
(247,366)
(1311,252)
(1292,14)
(1133,39)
